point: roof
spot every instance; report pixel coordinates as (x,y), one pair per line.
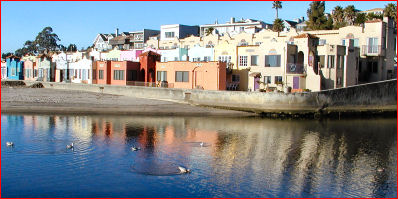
(291,23)
(149,53)
(374,10)
(12,56)
(306,35)
(118,40)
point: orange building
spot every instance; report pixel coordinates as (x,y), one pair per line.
(190,75)
(115,72)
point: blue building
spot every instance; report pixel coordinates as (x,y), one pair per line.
(14,68)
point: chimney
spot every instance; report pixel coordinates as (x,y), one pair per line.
(117,32)
(232,20)
(302,19)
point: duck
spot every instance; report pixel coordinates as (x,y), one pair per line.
(10,144)
(184,170)
(135,148)
(69,146)
(380,170)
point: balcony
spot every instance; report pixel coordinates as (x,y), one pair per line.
(294,68)
(374,50)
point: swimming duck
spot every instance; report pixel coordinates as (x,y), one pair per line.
(69,146)
(184,170)
(135,148)
(10,144)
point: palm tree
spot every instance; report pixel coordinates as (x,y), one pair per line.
(277,5)
(278,25)
(350,14)
(390,11)
(209,31)
(338,16)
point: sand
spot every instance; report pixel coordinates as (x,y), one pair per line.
(53,101)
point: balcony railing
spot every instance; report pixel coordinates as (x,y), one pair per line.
(150,84)
(373,50)
(294,68)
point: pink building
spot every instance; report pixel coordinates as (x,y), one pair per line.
(130,55)
(29,70)
(190,75)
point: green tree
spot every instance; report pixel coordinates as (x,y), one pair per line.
(360,19)
(329,23)
(46,40)
(338,17)
(390,11)
(72,48)
(316,15)
(278,26)
(372,16)
(4,55)
(349,14)
(277,5)
(209,31)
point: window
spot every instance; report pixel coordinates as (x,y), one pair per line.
(322,42)
(330,61)
(161,76)
(235,78)
(373,45)
(118,74)
(207,58)
(224,58)
(242,29)
(278,80)
(258,43)
(132,75)
(340,61)
(242,60)
(272,60)
(175,58)
(267,79)
(254,60)
(169,34)
(182,76)
(80,73)
(356,42)
(343,42)
(338,81)
(101,74)
(13,72)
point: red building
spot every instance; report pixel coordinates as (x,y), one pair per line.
(148,66)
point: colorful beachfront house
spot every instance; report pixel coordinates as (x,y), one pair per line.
(193,75)
(198,53)
(3,69)
(115,72)
(14,67)
(82,71)
(148,66)
(30,67)
(63,66)
(46,68)
(177,54)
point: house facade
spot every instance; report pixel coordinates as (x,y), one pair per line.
(101,42)
(193,75)
(45,68)
(29,70)
(179,31)
(3,69)
(15,67)
(82,71)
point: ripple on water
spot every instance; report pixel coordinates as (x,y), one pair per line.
(154,168)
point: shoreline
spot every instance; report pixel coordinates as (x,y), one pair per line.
(66,102)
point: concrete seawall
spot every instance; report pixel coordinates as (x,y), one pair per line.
(379,97)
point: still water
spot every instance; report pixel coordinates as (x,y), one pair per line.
(247,157)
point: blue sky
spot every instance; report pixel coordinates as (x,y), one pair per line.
(79,22)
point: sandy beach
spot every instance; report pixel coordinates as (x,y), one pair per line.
(53,101)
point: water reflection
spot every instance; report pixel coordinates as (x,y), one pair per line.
(242,157)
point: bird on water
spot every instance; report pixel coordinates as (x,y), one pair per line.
(70,146)
(184,170)
(10,144)
(135,148)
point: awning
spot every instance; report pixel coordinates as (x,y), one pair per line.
(255,74)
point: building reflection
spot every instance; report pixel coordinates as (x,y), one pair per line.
(296,156)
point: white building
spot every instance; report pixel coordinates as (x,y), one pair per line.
(235,27)
(3,70)
(101,42)
(170,32)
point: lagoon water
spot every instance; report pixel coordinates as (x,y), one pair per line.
(241,157)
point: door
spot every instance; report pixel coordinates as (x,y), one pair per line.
(296,82)
(256,83)
(61,75)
